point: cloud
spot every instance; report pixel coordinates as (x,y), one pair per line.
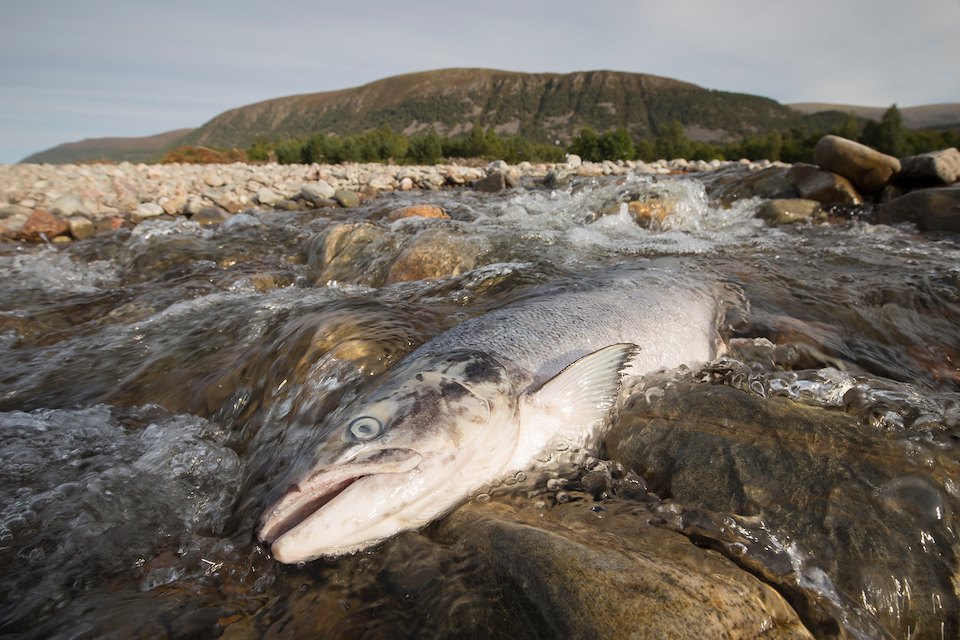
(98,68)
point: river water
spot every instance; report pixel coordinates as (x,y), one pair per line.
(157,384)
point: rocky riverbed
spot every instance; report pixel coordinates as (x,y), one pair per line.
(159,379)
(60,203)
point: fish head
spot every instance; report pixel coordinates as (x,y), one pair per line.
(400,456)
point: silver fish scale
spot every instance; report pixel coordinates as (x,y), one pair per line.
(672,319)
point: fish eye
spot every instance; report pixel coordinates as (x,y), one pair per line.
(365,428)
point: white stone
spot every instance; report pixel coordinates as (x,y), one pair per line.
(319,190)
(574,160)
(268,197)
(149,210)
(381,182)
(213,179)
(67,205)
(406,184)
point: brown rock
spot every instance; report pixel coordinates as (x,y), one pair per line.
(788,210)
(210,216)
(867,168)
(583,576)
(106,225)
(840,491)
(936,167)
(651,213)
(419,211)
(347,198)
(930,209)
(823,186)
(434,254)
(494,182)
(358,253)
(43,222)
(80,227)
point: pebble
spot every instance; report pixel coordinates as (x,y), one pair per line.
(110,196)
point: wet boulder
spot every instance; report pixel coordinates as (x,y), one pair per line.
(358,253)
(926,169)
(788,211)
(929,209)
(874,508)
(735,183)
(867,168)
(578,572)
(435,253)
(825,187)
(418,211)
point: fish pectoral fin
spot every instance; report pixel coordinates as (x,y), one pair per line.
(584,391)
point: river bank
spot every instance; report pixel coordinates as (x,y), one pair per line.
(61,203)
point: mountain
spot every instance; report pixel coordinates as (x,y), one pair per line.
(922,117)
(110,149)
(540,106)
(543,107)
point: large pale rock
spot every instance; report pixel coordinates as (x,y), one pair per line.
(316,191)
(930,209)
(268,197)
(823,186)
(936,167)
(67,205)
(866,168)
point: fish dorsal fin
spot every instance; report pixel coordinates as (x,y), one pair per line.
(584,391)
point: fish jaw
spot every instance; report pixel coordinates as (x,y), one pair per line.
(295,510)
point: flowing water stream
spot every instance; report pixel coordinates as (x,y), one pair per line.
(157,384)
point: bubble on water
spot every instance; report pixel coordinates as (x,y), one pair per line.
(482,498)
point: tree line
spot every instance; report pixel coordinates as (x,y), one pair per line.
(669,141)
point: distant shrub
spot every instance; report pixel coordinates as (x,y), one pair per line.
(204,155)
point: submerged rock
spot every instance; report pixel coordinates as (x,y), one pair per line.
(866,168)
(930,209)
(435,254)
(358,253)
(418,211)
(788,211)
(879,527)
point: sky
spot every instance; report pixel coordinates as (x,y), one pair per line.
(76,69)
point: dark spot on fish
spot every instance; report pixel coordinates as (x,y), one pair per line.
(482,370)
(452,391)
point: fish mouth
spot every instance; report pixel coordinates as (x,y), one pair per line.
(318,489)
